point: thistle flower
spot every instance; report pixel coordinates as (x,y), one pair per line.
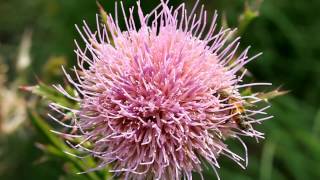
(159,99)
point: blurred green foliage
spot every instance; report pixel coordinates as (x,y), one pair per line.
(287,31)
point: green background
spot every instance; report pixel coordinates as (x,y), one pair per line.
(286,31)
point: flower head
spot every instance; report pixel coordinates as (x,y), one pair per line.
(159,99)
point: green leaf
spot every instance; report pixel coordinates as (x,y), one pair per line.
(45,130)
(57,147)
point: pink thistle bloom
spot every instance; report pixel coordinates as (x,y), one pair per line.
(159,99)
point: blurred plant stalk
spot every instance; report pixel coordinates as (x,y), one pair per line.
(250,12)
(12,105)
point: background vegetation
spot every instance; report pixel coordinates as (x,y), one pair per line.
(42,32)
